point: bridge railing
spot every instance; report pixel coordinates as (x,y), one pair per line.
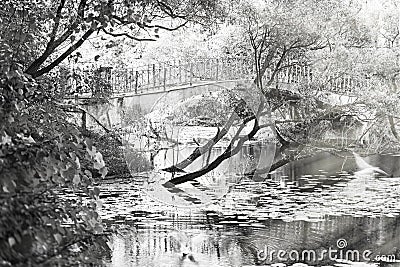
(161,76)
(296,73)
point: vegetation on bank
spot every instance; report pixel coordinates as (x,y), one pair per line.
(42,153)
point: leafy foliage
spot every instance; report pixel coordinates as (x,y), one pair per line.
(112,152)
(44,33)
(41,154)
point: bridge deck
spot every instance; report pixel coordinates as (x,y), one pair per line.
(168,76)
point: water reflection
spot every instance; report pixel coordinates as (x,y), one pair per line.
(257,154)
(213,245)
(308,204)
(212,185)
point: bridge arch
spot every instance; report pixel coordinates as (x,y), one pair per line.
(110,114)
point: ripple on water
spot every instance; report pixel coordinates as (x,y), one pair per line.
(277,206)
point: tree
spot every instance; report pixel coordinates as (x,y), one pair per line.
(56,29)
(374,60)
(279,39)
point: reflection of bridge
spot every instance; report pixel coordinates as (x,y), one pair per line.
(167,75)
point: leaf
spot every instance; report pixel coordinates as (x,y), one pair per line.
(17,237)
(96,191)
(103,172)
(78,163)
(99,204)
(98,229)
(68,174)
(89,17)
(88,173)
(40,236)
(99,161)
(77,179)
(10,119)
(9,185)
(5,139)
(29,139)
(11,241)
(58,238)
(93,26)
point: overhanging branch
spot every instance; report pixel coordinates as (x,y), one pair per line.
(229,152)
(63,55)
(127,35)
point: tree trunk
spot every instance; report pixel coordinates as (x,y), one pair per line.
(229,152)
(58,60)
(199,151)
(393,127)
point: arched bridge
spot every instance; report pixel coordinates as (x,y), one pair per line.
(165,76)
(142,88)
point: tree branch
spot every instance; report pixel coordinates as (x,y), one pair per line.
(166,28)
(54,43)
(393,127)
(56,24)
(280,163)
(229,152)
(127,35)
(73,108)
(63,55)
(199,151)
(168,10)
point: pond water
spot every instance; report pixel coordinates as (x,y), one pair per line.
(306,207)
